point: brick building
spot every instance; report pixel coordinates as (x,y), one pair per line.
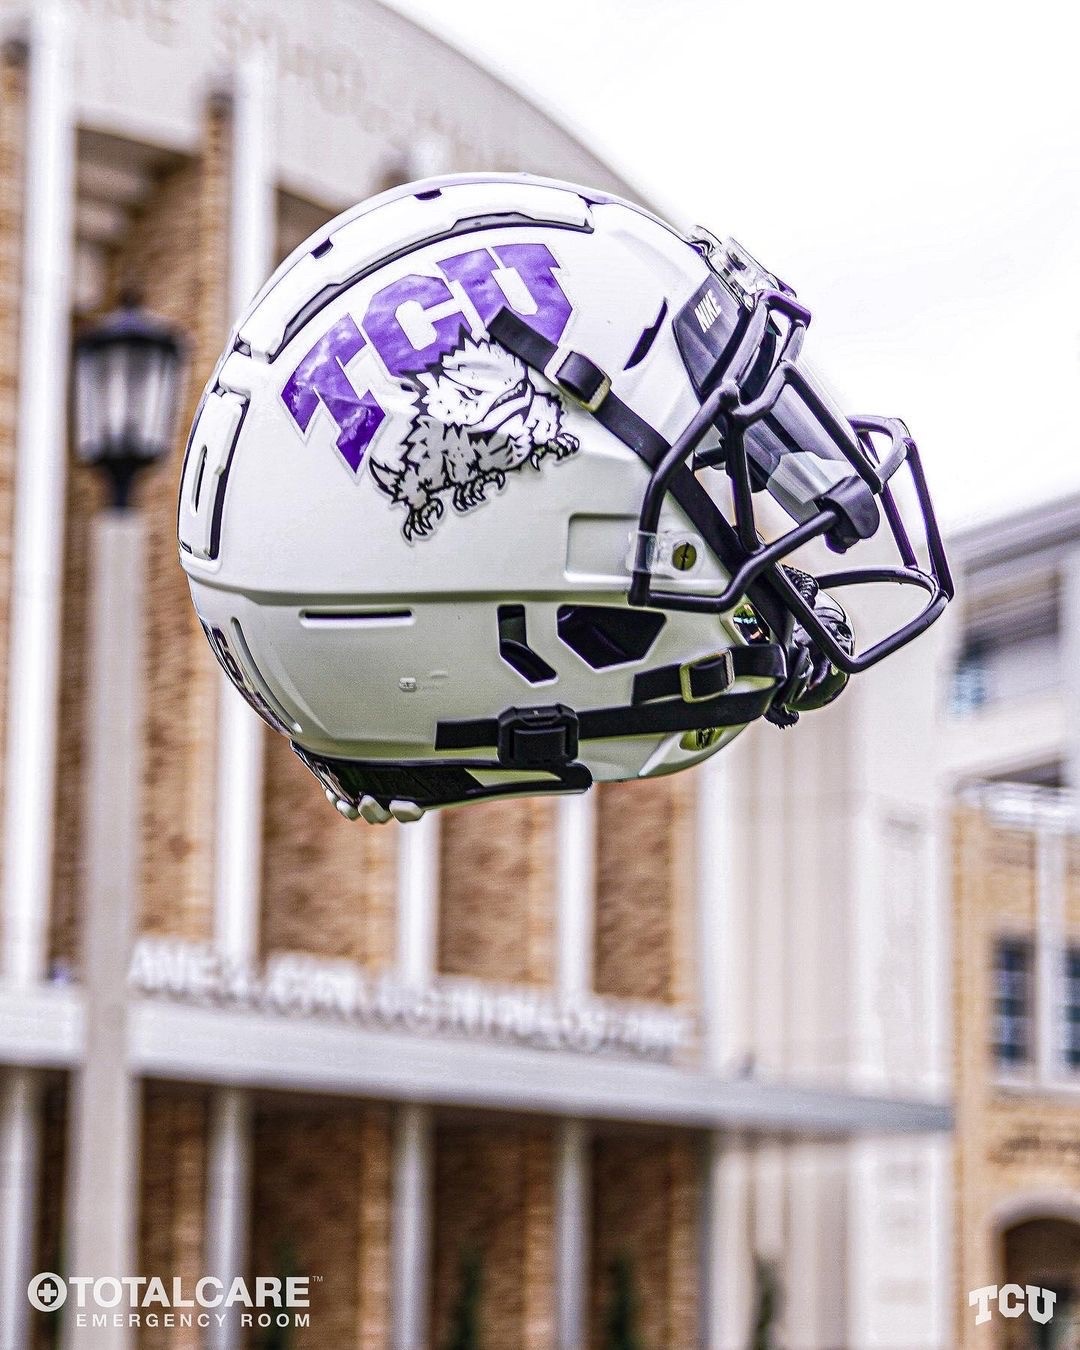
(646,1044)
(1018,1053)
(1010,752)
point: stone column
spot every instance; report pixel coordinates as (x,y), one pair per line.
(1049,949)
(20,1144)
(771,1190)
(727,1265)
(728,1283)
(723,973)
(575,901)
(104,1123)
(30,626)
(228,1200)
(818,1205)
(571,1234)
(40,473)
(252,216)
(575,905)
(418,906)
(1069,628)
(410,1261)
(576,895)
(411,1213)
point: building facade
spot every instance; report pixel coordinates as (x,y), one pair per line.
(536,1064)
(1018,1061)
(1010,752)
(1014,670)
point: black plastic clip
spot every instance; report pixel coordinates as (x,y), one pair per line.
(579,377)
(537,738)
(857,513)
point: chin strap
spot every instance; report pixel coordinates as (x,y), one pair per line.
(581,379)
(693,696)
(540,745)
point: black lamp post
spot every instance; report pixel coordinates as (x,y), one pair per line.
(126,378)
(126,382)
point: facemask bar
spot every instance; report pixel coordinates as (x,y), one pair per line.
(846,512)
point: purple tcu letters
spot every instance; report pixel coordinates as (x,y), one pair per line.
(431,306)
(320,377)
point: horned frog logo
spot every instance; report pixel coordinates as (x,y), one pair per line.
(479,417)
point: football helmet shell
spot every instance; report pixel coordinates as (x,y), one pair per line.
(445,513)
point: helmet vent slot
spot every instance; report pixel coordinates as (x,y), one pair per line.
(205,474)
(199,480)
(515,650)
(374,617)
(607,635)
(646,340)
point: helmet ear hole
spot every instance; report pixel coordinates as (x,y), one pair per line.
(609,635)
(515,650)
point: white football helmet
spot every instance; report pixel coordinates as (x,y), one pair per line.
(451,510)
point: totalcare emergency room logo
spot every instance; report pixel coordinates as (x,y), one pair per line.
(151,1301)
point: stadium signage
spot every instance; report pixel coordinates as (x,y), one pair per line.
(299,986)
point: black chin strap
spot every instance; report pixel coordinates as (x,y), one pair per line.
(694,696)
(690,697)
(583,381)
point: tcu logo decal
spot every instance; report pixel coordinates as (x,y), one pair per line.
(1012,1300)
(413,324)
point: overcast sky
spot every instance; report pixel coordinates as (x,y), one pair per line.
(912,171)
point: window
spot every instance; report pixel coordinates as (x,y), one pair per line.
(1011,645)
(995,673)
(1012,997)
(1072,1008)
(969,691)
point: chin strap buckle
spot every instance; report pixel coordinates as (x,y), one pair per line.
(579,378)
(537,738)
(706,677)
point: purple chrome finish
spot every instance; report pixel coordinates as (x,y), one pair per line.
(534,264)
(320,378)
(384,327)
